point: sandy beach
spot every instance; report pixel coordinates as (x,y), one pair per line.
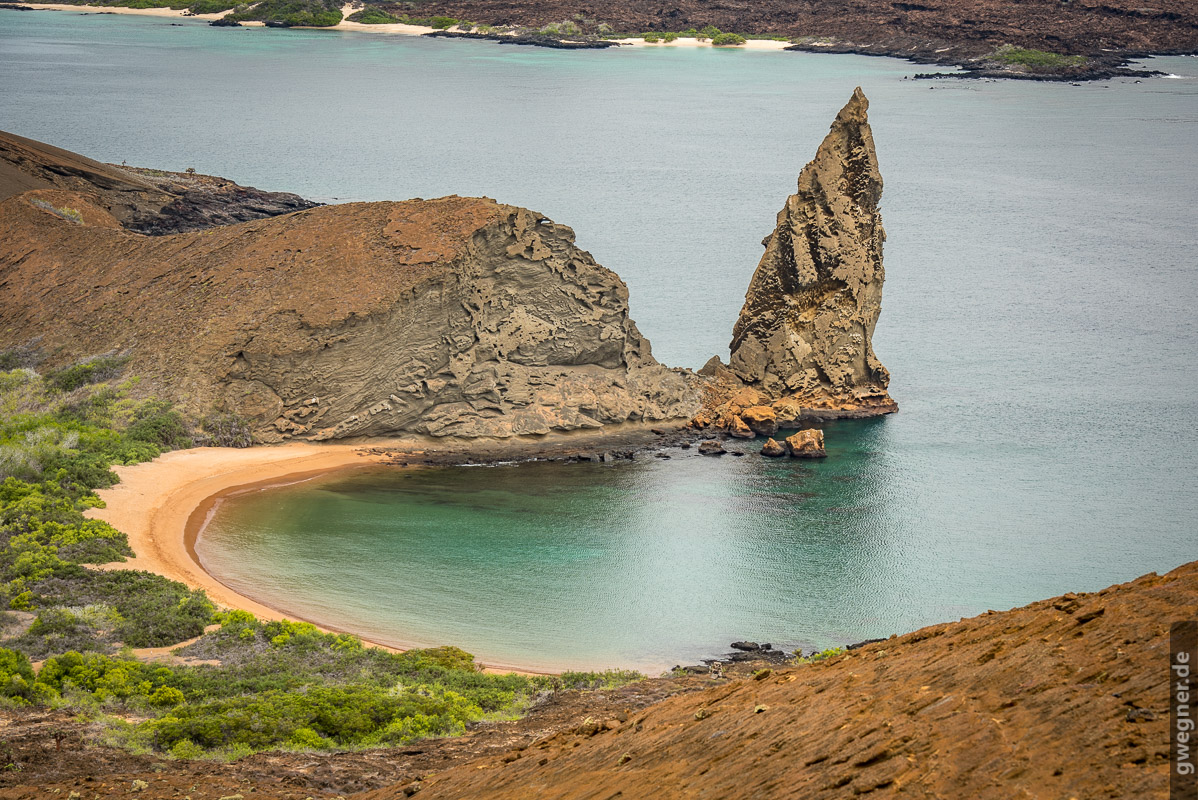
(145,12)
(161,505)
(395,28)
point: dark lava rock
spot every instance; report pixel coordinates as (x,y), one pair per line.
(531,39)
(862,644)
(748,647)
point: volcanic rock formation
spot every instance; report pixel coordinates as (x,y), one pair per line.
(811,308)
(457,316)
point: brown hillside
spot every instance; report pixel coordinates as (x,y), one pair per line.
(1063,698)
(455,316)
(144,200)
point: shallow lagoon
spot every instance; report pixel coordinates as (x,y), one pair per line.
(1039,321)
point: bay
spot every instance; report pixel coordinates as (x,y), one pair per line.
(1038,319)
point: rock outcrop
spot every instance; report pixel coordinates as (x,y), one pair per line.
(806,444)
(773,449)
(805,330)
(457,316)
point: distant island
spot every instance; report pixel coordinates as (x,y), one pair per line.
(1037,40)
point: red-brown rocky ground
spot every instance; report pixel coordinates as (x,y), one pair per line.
(1062,698)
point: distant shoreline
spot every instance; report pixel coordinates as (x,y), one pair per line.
(969,62)
(399,28)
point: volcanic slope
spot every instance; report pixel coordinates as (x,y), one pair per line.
(457,316)
(1066,697)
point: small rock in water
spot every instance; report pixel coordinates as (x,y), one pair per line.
(807,444)
(711,448)
(748,647)
(772,449)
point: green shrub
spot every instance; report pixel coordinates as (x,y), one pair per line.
(707,32)
(212,6)
(650,38)
(185,748)
(1036,60)
(669,36)
(156,422)
(347,716)
(16,675)
(727,40)
(442,23)
(166,697)
(372,15)
(291,13)
(90,370)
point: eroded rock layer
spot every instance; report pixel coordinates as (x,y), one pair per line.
(809,314)
(457,316)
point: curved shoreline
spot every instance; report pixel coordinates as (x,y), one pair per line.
(163,505)
(154,504)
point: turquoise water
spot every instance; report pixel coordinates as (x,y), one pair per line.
(1038,318)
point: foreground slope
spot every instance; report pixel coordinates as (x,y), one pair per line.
(1062,698)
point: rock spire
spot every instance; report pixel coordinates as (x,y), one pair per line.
(811,308)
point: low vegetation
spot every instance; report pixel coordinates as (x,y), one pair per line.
(1036,60)
(291,13)
(727,40)
(372,15)
(261,685)
(710,33)
(69,214)
(216,6)
(175,4)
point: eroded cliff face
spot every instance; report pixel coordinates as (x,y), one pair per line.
(809,314)
(457,316)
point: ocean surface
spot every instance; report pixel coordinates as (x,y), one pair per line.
(1039,320)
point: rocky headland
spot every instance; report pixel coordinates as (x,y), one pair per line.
(1036,39)
(147,201)
(458,317)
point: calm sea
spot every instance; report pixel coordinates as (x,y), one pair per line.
(1039,321)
